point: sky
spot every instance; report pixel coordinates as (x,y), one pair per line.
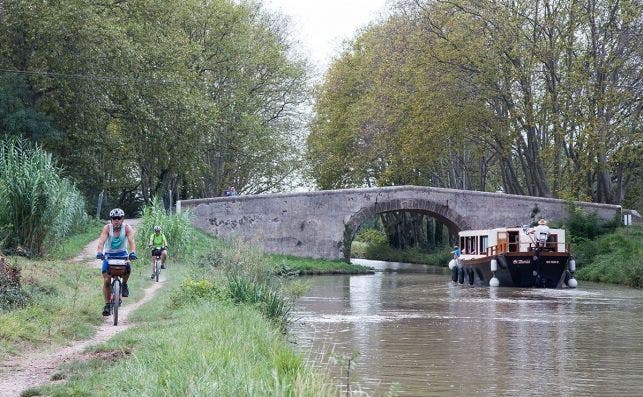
(322,25)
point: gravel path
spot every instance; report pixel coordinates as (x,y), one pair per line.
(36,367)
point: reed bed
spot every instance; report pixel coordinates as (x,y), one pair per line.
(39,205)
(177,227)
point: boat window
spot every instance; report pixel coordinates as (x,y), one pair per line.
(484,244)
(514,242)
(552,242)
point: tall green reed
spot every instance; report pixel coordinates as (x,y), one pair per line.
(176,227)
(249,278)
(39,205)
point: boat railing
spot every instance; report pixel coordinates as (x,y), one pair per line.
(497,249)
(515,247)
(551,246)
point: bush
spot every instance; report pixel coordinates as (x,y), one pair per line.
(11,294)
(581,225)
(372,236)
(250,278)
(614,258)
(358,249)
(192,290)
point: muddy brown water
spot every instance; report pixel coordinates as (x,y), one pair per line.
(410,332)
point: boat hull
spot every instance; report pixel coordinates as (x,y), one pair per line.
(518,269)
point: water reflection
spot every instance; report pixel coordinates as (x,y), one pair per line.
(418,334)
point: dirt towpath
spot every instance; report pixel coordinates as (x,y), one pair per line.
(35,368)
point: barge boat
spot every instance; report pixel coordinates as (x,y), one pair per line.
(511,257)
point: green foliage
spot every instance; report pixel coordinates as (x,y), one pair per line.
(269,301)
(18,117)
(64,302)
(209,100)
(232,348)
(587,226)
(286,265)
(80,236)
(190,327)
(524,106)
(192,291)
(358,249)
(250,279)
(613,258)
(40,207)
(372,236)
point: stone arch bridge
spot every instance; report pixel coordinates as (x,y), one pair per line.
(322,224)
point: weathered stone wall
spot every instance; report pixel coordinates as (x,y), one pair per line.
(319,224)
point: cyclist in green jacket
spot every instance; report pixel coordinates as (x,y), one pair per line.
(157,239)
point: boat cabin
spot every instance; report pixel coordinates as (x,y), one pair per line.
(489,242)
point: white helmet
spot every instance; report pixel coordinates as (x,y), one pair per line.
(157,229)
(116,212)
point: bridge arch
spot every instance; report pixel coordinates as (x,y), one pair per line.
(322,224)
(451,218)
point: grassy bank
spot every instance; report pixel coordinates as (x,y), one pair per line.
(74,244)
(215,328)
(291,265)
(612,258)
(192,341)
(384,252)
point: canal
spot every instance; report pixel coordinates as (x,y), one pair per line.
(410,332)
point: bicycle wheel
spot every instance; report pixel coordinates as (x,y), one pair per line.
(116,298)
(157,270)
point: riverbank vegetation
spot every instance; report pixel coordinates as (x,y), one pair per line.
(605,251)
(203,334)
(292,265)
(616,258)
(402,236)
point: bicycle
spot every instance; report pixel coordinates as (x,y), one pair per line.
(117,266)
(156,254)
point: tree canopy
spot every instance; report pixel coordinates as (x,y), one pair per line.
(527,97)
(143,97)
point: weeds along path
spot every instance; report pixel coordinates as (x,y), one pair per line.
(35,368)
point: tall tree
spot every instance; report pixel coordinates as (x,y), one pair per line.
(147,93)
(533,97)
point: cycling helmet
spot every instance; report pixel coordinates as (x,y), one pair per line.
(157,229)
(116,212)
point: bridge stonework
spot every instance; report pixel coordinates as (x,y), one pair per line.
(322,224)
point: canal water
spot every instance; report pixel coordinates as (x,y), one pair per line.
(407,331)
